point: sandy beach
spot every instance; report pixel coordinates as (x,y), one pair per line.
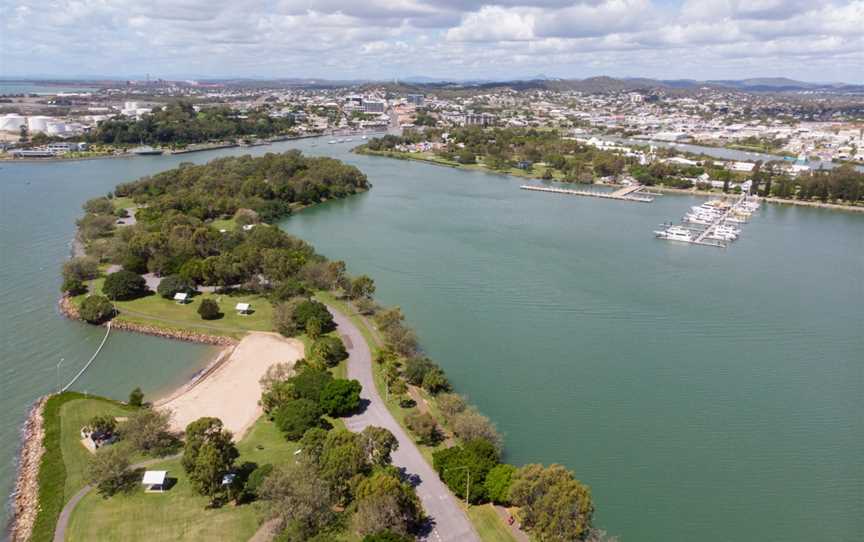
(232,390)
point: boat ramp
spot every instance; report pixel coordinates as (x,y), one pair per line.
(627,193)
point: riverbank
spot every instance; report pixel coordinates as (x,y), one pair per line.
(25,504)
(657,188)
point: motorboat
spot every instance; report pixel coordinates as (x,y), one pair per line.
(675,233)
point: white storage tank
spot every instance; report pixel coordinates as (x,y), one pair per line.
(55,128)
(12,122)
(38,123)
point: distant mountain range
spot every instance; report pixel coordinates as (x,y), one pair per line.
(539,81)
(606,84)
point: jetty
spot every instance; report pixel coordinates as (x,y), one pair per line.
(627,193)
(717,223)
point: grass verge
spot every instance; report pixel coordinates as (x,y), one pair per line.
(57,480)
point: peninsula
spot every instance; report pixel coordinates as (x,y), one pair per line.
(192,254)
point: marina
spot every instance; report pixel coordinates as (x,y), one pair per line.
(712,224)
(627,193)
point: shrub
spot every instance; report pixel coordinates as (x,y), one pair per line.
(73,286)
(96,309)
(174,284)
(434,381)
(340,397)
(471,425)
(450,404)
(256,478)
(386,536)
(329,350)
(124,285)
(296,417)
(209,309)
(287,289)
(103,423)
(416,369)
(423,425)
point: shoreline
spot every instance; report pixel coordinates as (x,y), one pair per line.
(25,496)
(658,188)
(68,310)
(55,159)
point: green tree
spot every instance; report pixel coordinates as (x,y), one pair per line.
(82,269)
(124,285)
(553,504)
(362,287)
(379,443)
(136,397)
(472,460)
(209,309)
(298,495)
(209,455)
(96,309)
(470,425)
(174,284)
(99,206)
(498,482)
(340,397)
(149,431)
(329,351)
(386,502)
(73,287)
(296,417)
(108,470)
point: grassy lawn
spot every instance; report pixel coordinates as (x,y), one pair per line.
(166,313)
(180,513)
(224,224)
(63,466)
(123,203)
(177,514)
(488,523)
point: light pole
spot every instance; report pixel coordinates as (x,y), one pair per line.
(467,482)
(59,363)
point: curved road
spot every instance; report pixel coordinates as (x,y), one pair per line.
(449,521)
(66,513)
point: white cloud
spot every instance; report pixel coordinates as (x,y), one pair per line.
(822,39)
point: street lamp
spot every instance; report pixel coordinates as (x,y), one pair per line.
(467,482)
(59,363)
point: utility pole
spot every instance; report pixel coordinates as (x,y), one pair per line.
(467,483)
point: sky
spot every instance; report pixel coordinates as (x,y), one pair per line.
(810,40)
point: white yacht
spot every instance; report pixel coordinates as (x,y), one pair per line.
(675,233)
(332,141)
(698,219)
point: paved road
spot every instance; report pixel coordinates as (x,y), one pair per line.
(450,522)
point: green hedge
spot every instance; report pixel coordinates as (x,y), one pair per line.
(52,469)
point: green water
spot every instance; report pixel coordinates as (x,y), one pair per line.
(704,394)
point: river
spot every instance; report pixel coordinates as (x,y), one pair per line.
(704,394)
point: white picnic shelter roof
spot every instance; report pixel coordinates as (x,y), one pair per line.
(180,296)
(243,306)
(154,477)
